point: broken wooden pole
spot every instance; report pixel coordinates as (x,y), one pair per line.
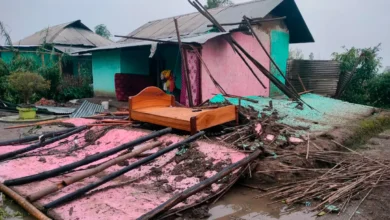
(88,160)
(35,137)
(32,210)
(266,52)
(219,87)
(185,65)
(87,173)
(108,124)
(41,144)
(234,44)
(85,189)
(198,187)
(35,124)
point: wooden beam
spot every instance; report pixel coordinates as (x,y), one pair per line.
(185,65)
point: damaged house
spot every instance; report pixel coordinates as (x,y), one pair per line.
(150,55)
(63,39)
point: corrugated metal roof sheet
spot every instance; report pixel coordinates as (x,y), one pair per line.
(69,49)
(87,109)
(319,76)
(58,110)
(71,33)
(200,39)
(196,24)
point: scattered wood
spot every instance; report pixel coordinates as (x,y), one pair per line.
(115,121)
(350,174)
(23,203)
(87,173)
(108,124)
(36,124)
(198,187)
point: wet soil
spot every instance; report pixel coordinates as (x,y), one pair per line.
(239,203)
(192,163)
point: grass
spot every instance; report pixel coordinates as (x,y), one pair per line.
(369,128)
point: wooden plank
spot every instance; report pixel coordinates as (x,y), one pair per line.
(215,117)
(151,97)
(174,112)
(161,120)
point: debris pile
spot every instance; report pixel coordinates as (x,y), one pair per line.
(260,131)
(350,176)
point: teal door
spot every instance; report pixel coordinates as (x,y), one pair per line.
(280,41)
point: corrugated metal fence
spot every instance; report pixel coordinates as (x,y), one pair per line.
(318,76)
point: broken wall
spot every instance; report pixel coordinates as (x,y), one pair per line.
(229,70)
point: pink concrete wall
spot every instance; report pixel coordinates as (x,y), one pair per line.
(230,71)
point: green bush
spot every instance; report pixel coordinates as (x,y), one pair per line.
(74,87)
(379,90)
(27,84)
(368,64)
(4,72)
(51,73)
(22,64)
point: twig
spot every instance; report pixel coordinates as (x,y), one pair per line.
(308,146)
(368,193)
(360,154)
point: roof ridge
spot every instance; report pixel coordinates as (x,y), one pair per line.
(63,28)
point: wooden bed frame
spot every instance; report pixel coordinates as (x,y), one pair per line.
(154,106)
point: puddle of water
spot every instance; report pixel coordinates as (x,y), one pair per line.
(13,209)
(239,204)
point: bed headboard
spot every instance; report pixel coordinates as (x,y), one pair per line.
(151,97)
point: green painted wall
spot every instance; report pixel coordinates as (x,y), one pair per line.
(279,53)
(49,59)
(105,64)
(135,61)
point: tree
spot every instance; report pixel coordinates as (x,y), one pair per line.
(366,63)
(311,56)
(295,54)
(103,31)
(379,90)
(217,3)
(4,33)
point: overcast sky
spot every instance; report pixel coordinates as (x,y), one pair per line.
(333,23)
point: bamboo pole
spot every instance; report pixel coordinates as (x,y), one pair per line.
(57,171)
(76,194)
(185,65)
(176,199)
(108,124)
(32,210)
(35,124)
(114,121)
(41,144)
(87,173)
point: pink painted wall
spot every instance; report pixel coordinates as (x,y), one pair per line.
(230,71)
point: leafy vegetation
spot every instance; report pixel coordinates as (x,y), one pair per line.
(74,87)
(51,73)
(217,3)
(27,84)
(367,86)
(103,31)
(4,72)
(379,90)
(60,89)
